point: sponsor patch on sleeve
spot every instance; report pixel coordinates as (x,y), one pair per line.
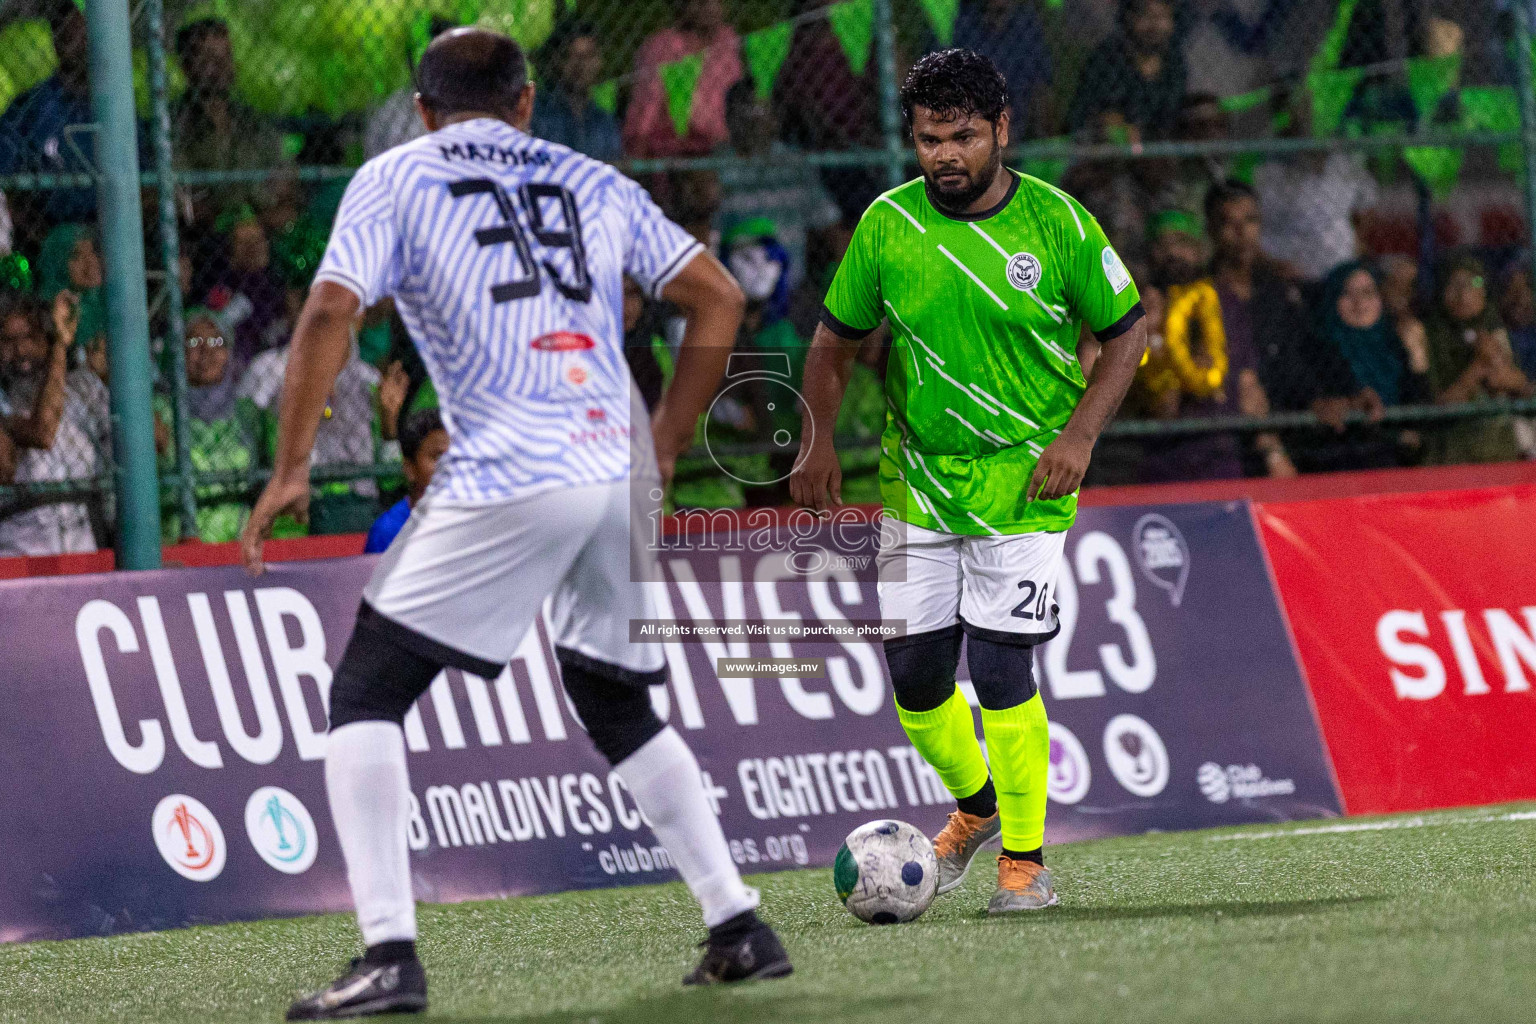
(1114,270)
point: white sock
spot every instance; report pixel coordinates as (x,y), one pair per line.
(369,792)
(663,777)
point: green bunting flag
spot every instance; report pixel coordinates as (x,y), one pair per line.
(1437,166)
(1429,79)
(941,15)
(1244,101)
(1328,55)
(853,22)
(1331,93)
(765,51)
(606,96)
(1494,108)
(679,79)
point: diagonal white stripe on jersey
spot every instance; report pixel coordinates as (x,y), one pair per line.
(506,256)
(968,273)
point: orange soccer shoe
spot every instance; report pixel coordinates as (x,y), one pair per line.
(957,844)
(1021,885)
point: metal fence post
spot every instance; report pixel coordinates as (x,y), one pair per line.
(890,112)
(170,255)
(122,243)
(1523,75)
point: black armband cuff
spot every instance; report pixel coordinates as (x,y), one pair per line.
(1122,325)
(843,330)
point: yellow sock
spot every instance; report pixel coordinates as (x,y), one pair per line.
(946,737)
(1019,749)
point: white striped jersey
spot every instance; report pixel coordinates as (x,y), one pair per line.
(506,255)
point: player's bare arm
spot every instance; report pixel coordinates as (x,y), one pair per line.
(319,350)
(1060,469)
(713,304)
(817,480)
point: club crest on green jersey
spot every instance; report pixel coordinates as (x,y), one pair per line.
(1023,271)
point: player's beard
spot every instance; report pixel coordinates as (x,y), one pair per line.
(956,200)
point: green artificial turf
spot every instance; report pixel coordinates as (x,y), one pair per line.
(1431,918)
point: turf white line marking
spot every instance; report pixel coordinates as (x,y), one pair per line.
(984,524)
(979,282)
(903,325)
(1378,826)
(968,426)
(920,229)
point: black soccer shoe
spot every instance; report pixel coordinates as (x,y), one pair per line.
(367,989)
(741,954)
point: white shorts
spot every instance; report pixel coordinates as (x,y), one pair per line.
(1000,588)
(472,578)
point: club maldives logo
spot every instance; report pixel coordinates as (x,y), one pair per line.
(188,837)
(1136,755)
(1163,554)
(281,830)
(1239,781)
(1069,774)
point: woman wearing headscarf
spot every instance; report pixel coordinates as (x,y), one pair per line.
(224,431)
(1386,358)
(71,261)
(1469,360)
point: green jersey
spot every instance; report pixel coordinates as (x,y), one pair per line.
(985,312)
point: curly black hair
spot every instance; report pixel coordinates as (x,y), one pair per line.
(955,83)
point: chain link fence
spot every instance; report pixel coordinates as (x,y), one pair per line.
(1323,202)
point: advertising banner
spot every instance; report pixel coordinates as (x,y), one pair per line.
(1415,618)
(164,745)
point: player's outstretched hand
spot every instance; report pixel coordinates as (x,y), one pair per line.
(1060,469)
(277,497)
(817,479)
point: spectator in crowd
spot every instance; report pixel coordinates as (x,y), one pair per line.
(348,435)
(395,121)
(214,131)
(1517,305)
(1191,373)
(1314,204)
(423,440)
(1137,74)
(1384,359)
(1189,178)
(1119,193)
(241,283)
(71,262)
(34,134)
(648,128)
(1470,359)
(1010,34)
(56,421)
(771,183)
(826,106)
(570,64)
(1226,43)
(224,433)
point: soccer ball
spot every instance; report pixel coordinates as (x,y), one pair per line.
(886,872)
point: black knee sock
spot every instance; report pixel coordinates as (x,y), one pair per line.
(982,803)
(390,952)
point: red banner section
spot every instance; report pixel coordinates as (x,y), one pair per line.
(1415,619)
